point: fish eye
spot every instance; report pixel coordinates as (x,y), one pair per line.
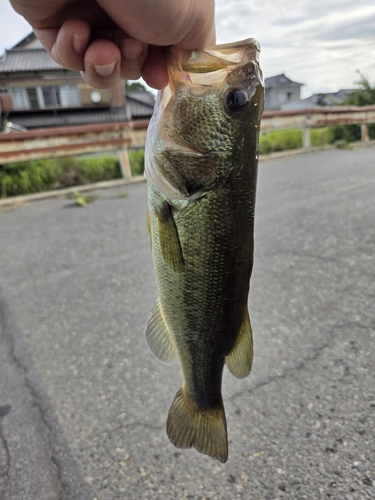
(236,100)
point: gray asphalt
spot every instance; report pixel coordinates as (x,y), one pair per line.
(83,403)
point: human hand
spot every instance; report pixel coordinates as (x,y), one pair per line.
(112,39)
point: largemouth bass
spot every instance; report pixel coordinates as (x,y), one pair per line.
(201,167)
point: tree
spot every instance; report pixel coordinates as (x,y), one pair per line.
(135,87)
(363,96)
(321,100)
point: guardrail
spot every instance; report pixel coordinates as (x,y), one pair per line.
(306,119)
(68,141)
(65,141)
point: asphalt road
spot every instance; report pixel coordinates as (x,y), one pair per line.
(83,402)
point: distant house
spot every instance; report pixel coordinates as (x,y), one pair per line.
(323,99)
(36,92)
(279,90)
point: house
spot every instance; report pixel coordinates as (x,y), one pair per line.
(280,90)
(37,92)
(327,99)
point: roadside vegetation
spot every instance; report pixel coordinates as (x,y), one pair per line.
(339,135)
(55,173)
(363,96)
(283,140)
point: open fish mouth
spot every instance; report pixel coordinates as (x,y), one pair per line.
(209,67)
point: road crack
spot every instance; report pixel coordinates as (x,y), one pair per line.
(5,474)
(301,363)
(6,325)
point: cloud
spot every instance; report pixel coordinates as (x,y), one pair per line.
(13,27)
(317,42)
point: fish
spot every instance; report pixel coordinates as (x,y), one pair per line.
(201,158)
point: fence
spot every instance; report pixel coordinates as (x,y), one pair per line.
(68,141)
(65,141)
(305,119)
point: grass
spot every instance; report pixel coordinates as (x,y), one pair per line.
(54,173)
(283,140)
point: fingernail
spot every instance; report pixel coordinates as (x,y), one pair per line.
(80,42)
(105,70)
(131,48)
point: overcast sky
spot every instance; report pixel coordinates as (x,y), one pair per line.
(320,43)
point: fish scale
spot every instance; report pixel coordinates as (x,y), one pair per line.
(201,167)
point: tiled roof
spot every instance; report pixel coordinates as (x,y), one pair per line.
(280,81)
(329,98)
(21,60)
(66,117)
(137,106)
(60,118)
(144,97)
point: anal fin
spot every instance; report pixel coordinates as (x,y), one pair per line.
(159,337)
(240,359)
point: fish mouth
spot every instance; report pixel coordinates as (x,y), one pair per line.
(209,67)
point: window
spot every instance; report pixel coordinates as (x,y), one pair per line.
(46,97)
(20,98)
(34,101)
(50,97)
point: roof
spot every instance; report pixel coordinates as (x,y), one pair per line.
(66,117)
(321,99)
(280,81)
(30,41)
(23,60)
(141,104)
(142,96)
(329,98)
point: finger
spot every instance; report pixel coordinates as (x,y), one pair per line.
(71,43)
(133,57)
(47,37)
(102,64)
(155,71)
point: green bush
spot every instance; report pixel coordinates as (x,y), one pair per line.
(137,160)
(75,171)
(42,175)
(364,95)
(280,140)
(28,177)
(321,136)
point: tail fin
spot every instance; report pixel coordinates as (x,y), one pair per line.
(190,426)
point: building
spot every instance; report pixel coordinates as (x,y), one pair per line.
(280,90)
(37,92)
(326,99)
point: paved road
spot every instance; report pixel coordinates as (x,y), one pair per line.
(83,402)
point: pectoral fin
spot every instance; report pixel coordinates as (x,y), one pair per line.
(240,359)
(159,337)
(169,240)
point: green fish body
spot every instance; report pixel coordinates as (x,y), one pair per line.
(201,167)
